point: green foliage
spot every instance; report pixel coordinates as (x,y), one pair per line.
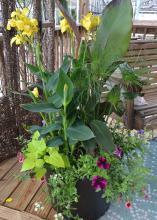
(40,107)
(125,176)
(38,155)
(113,35)
(65,88)
(80,133)
(113,96)
(102,135)
(75,134)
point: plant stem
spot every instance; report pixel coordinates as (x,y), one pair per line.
(65,129)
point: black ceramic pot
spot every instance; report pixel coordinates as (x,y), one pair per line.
(90,205)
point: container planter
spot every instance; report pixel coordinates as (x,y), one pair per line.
(91,205)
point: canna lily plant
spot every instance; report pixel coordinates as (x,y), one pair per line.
(75,140)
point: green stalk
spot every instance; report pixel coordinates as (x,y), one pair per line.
(42,69)
(65,119)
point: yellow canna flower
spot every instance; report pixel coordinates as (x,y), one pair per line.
(35,92)
(18,39)
(65,27)
(90,21)
(15,13)
(11,23)
(8,200)
(20,25)
(34,22)
(26,27)
(25,11)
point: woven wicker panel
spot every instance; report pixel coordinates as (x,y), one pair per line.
(12,118)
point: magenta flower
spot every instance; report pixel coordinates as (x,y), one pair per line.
(20,157)
(128,205)
(146,197)
(118,152)
(102,163)
(99,182)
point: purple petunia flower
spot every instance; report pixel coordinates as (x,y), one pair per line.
(141,131)
(99,182)
(102,163)
(118,152)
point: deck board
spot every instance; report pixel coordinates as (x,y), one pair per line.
(41,196)
(24,194)
(6,165)
(51,215)
(10,214)
(9,183)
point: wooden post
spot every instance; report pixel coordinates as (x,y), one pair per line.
(37,13)
(11,57)
(130,111)
(130,114)
(84,7)
(70,20)
(51,36)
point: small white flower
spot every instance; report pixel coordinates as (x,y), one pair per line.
(76,199)
(38,206)
(58,216)
(35,209)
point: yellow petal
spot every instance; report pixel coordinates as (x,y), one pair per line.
(90,21)
(25,11)
(35,92)
(64,25)
(20,25)
(8,27)
(15,13)
(34,22)
(8,200)
(12,40)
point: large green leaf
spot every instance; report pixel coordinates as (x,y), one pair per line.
(39,172)
(65,82)
(113,35)
(28,164)
(52,82)
(33,69)
(80,133)
(50,128)
(56,159)
(66,64)
(55,142)
(56,100)
(40,107)
(103,135)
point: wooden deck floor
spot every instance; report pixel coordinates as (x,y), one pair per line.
(24,195)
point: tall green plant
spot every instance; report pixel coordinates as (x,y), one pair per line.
(69,100)
(113,35)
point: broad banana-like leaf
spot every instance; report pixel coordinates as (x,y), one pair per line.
(113,35)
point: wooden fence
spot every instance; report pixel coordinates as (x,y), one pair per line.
(141,30)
